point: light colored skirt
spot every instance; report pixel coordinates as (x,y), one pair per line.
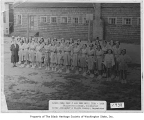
(47,57)
(75,60)
(67,58)
(53,57)
(108,64)
(26,54)
(83,62)
(59,58)
(38,56)
(32,56)
(21,55)
(90,62)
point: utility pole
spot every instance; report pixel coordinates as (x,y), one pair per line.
(89,17)
(89,25)
(27,26)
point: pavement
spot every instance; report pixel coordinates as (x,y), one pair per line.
(31,89)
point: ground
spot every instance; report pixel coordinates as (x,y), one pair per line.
(31,89)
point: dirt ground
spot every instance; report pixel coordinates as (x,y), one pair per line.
(31,89)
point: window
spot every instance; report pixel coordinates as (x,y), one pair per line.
(112,21)
(53,19)
(32,20)
(19,19)
(64,20)
(138,21)
(76,20)
(85,21)
(43,19)
(127,21)
(4,17)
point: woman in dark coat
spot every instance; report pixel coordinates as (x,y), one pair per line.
(14,53)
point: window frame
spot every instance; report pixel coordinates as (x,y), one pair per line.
(112,18)
(17,21)
(64,17)
(51,19)
(74,20)
(42,17)
(123,22)
(4,17)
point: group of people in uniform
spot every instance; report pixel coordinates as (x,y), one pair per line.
(97,59)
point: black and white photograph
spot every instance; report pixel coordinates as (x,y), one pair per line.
(71,51)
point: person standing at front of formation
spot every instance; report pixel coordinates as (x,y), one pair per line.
(83,59)
(71,47)
(74,53)
(111,46)
(123,60)
(59,57)
(39,54)
(53,56)
(21,51)
(109,63)
(26,52)
(67,58)
(116,52)
(32,53)
(62,48)
(14,53)
(99,59)
(79,54)
(90,60)
(47,54)
(104,49)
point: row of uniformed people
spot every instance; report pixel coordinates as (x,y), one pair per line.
(102,58)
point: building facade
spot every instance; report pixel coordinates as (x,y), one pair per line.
(8,19)
(117,21)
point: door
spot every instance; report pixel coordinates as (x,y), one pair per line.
(33,22)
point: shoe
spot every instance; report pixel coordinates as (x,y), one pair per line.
(27,66)
(14,66)
(40,67)
(77,72)
(22,65)
(117,78)
(19,62)
(91,75)
(84,74)
(46,68)
(99,77)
